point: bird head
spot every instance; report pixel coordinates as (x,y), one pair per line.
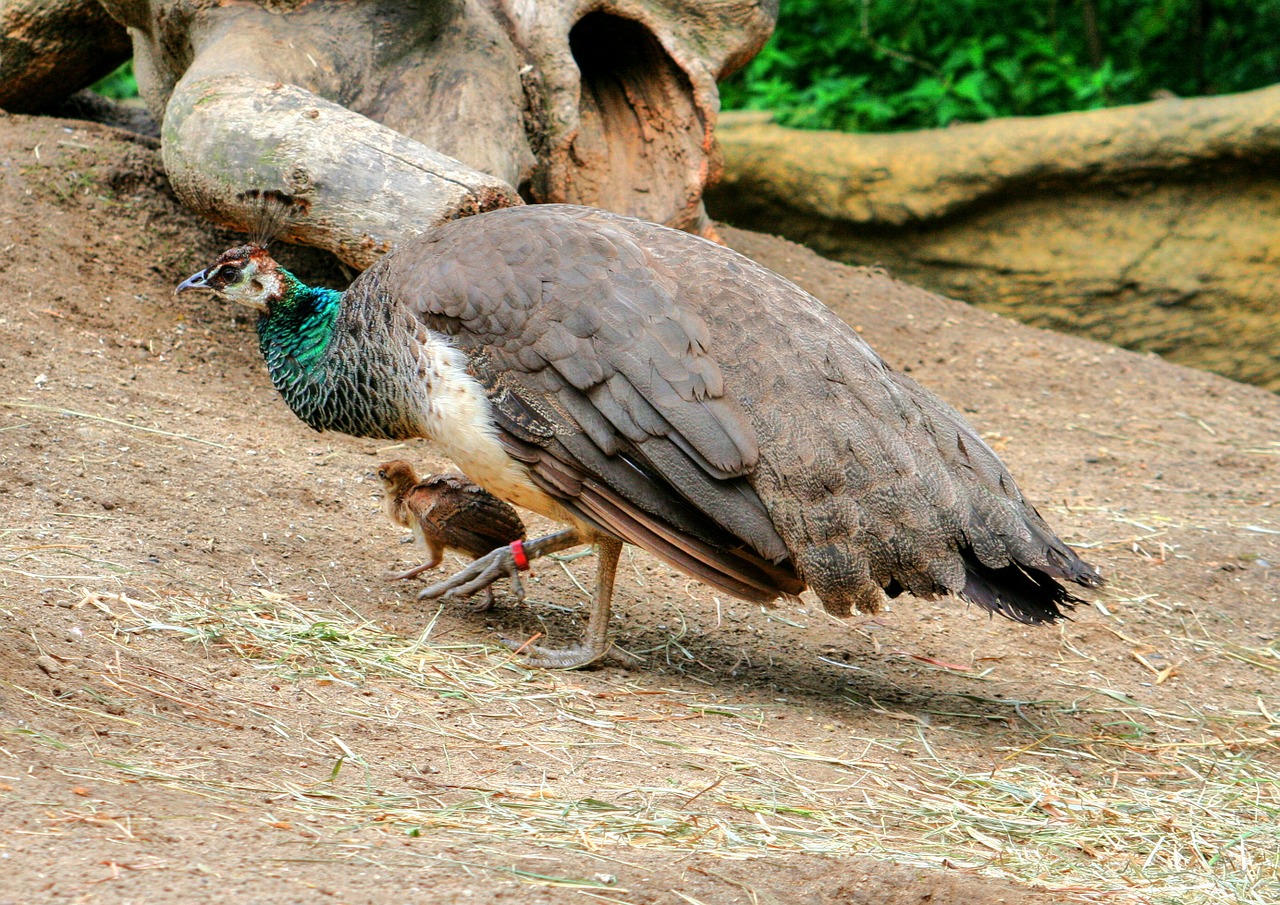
(397,477)
(247,275)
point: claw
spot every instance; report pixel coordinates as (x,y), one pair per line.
(484,604)
(484,571)
(492,566)
(477,577)
(595,641)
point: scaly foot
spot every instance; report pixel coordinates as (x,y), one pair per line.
(489,568)
(595,641)
(485,603)
(478,577)
(575,657)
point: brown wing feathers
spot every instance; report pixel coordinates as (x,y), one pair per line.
(700,406)
(655,517)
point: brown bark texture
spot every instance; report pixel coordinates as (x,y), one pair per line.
(50,49)
(382,118)
(1152,226)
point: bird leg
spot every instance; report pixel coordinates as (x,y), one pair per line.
(431,563)
(409,573)
(435,554)
(595,641)
(492,566)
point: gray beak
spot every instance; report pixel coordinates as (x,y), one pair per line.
(195,281)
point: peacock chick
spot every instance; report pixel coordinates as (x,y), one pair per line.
(448,512)
(644,386)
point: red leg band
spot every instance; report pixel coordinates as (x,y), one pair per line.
(518,554)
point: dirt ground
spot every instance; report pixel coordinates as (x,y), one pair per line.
(207,693)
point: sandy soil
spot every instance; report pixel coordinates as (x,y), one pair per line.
(208,694)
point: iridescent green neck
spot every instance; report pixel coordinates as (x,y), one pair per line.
(297,329)
(340,364)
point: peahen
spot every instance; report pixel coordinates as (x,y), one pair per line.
(646,386)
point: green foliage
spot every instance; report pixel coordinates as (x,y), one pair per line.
(119,85)
(882,65)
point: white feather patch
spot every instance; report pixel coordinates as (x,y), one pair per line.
(458,418)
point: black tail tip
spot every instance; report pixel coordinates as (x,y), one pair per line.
(1026,595)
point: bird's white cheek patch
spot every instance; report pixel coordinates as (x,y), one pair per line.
(270,284)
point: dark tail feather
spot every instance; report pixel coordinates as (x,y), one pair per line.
(1027,594)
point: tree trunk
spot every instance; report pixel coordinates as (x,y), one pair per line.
(1150,226)
(50,49)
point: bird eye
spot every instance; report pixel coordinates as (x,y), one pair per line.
(227,273)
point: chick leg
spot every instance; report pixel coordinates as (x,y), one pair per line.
(435,555)
(492,566)
(411,573)
(595,641)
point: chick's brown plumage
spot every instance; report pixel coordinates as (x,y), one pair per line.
(446,512)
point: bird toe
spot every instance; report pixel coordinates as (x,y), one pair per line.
(574,657)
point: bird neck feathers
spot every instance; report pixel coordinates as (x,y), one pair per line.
(298,326)
(340,369)
(360,364)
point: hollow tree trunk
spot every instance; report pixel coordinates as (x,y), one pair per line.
(600,102)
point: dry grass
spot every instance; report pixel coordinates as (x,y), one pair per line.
(1096,794)
(1168,807)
